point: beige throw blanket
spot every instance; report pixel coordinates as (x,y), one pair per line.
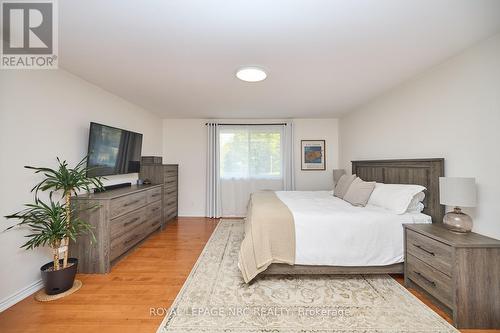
(269,235)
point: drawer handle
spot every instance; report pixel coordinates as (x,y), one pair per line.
(155,195)
(421,248)
(432,283)
(131,203)
(130,240)
(131,221)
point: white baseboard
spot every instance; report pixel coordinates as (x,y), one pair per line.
(191,214)
(20,295)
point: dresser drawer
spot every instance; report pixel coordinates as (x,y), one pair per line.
(170,210)
(170,182)
(171,169)
(171,205)
(126,241)
(433,252)
(171,216)
(153,210)
(152,224)
(125,223)
(153,195)
(171,201)
(431,280)
(125,204)
(171,192)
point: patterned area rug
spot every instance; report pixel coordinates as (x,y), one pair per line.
(214,298)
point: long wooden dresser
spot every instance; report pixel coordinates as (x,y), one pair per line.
(121,218)
(168,176)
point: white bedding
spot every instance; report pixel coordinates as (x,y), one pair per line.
(330,231)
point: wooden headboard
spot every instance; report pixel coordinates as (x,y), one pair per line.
(425,172)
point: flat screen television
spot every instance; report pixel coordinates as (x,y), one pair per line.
(113,151)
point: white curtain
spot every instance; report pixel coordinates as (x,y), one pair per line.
(253,158)
(288,156)
(235,193)
(213,204)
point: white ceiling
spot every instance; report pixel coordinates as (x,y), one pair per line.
(323,57)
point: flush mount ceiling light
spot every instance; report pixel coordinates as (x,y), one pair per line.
(251,74)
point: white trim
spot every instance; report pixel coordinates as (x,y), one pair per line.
(191,214)
(20,295)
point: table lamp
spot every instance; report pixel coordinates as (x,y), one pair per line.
(457,192)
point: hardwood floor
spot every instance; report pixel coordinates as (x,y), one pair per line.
(149,278)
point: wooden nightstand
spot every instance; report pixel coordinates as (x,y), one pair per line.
(460,273)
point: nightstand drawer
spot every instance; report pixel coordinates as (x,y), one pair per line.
(434,282)
(430,251)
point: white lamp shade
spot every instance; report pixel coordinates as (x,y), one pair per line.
(457,191)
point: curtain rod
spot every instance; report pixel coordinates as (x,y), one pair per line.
(269,124)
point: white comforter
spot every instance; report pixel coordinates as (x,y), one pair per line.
(330,231)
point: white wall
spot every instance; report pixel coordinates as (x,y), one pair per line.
(451,111)
(184,142)
(316,129)
(44,114)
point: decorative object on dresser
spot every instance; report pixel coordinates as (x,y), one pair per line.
(313,155)
(460,272)
(168,176)
(123,218)
(458,192)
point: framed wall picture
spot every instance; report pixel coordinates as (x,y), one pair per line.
(313,154)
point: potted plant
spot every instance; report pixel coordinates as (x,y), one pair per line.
(54,224)
(48,225)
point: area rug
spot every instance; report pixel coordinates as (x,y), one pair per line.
(214,298)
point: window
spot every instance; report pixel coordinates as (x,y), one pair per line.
(251,152)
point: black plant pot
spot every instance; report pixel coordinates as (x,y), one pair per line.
(56,282)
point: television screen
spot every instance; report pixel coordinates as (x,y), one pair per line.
(113,151)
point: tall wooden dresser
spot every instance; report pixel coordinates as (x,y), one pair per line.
(168,176)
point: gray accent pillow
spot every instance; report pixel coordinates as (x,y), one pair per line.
(343,185)
(359,192)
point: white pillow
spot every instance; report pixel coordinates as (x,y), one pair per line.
(416,205)
(419,208)
(394,197)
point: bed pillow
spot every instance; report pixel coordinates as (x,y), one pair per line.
(416,205)
(394,197)
(343,185)
(419,208)
(359,192)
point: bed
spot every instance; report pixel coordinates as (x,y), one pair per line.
(368,241)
